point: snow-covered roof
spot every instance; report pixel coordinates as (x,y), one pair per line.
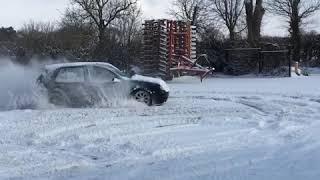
(53,67)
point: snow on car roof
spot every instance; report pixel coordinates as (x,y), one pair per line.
(53,67)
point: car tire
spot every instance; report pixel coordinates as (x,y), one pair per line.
(59,99)
(143,96)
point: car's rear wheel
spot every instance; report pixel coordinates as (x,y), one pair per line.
(143,97)
(59,99)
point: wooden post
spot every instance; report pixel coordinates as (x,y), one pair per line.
(226,55)
(260,62)
(289,58)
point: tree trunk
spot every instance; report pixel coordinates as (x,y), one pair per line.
(98,53)
(254,20)
(101,35)
(232,34)
(195,16)
(296,48)
(249,18)
(295,33)
(258,15)
(296,39)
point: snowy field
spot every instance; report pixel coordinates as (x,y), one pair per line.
(223,129)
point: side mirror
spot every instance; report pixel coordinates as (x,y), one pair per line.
(134,70)
(116,80)
(132,73)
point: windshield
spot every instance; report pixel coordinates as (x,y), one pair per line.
(118,71)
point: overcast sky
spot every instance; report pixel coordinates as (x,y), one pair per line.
(16,12)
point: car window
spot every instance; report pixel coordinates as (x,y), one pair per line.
(73,74)
(98,74)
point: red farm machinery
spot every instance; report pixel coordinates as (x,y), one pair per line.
(169,49)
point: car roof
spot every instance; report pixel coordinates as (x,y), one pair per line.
(54,67)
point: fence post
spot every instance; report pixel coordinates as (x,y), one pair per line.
(226,55)
(289,58)
(260,62)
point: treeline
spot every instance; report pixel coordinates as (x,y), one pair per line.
(78,37)
(111,31)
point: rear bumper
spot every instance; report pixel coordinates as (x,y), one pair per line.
(160,97)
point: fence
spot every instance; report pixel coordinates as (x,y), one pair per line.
(254,60)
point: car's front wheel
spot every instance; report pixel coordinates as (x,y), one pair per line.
(143,96)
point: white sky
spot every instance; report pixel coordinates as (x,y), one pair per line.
(16,12)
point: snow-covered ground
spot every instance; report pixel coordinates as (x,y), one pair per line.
(222,129)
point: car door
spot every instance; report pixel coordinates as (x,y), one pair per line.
(105,83)
(71,83)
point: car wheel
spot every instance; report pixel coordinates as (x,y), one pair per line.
(143,96)
(59,99)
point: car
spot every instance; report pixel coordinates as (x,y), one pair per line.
(89,83)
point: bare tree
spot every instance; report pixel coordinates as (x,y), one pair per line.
(195,11)
(77,35)
(74,17)
(129,36)
(44,27)
(295,12)
(230,12)
(254,15)
(129,26)
(38,37)
(104,12)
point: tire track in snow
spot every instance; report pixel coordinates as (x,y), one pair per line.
(200,134)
